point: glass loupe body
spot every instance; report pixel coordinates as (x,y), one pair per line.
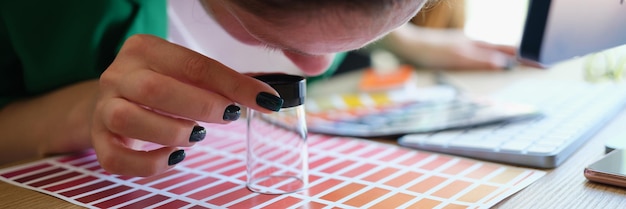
(277,155)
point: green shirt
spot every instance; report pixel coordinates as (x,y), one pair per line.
(45,45)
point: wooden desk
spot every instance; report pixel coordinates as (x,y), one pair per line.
(563,187)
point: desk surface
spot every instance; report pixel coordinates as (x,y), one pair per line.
(562,187)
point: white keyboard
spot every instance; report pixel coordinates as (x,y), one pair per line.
(573,113)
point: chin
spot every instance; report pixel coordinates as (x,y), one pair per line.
(311,65)
(314,73)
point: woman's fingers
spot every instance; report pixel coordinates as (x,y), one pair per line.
(171,96)
(506,49)
(118,124)
(155,91)
(487,59)
(126,119)
(195,69)
(116,157)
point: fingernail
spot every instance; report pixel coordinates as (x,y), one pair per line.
(232,113)
(197,134)
(269,101)
(176,157)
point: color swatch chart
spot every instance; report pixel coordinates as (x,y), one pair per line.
(344,173)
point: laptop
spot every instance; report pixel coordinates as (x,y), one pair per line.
(558,30)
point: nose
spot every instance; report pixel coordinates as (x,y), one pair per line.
(310,65)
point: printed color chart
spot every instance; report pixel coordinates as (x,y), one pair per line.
(344,173)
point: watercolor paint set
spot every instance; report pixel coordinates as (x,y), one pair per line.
(399,112)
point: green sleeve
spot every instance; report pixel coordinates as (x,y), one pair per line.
(45,45)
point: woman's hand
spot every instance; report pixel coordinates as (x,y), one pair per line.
(154,91)
(447,49)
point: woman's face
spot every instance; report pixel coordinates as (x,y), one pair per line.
(311,44)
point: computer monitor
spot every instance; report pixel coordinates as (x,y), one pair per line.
(558,30)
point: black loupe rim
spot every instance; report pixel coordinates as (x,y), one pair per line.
(292,88)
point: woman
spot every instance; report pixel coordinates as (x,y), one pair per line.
(86,74)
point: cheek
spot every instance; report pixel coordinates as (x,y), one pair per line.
(311,65)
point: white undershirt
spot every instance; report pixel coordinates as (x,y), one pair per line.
(190,26)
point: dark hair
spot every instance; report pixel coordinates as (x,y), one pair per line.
(277,10)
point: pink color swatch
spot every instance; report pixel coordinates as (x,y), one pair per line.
(344,173)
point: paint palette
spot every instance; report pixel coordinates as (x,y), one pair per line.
(393,113)
(344,173)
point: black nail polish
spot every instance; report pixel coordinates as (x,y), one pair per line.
(232,113)
(176,157)
(197,134)
(269,101)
